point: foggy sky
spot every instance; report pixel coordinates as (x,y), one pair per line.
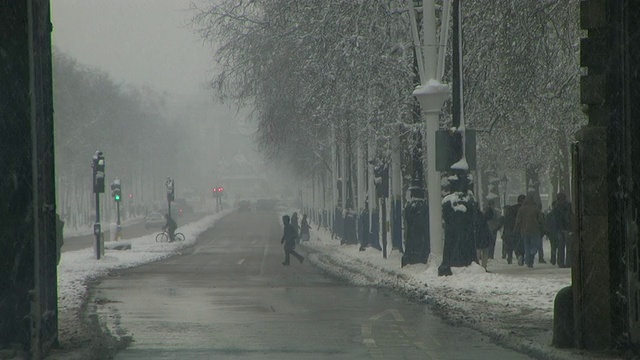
(135,41)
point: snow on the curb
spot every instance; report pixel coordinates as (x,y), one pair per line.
(508,295)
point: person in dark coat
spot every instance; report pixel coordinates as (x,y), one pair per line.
(510,238)
(530,225)
(562,217)
(492,215)
(170,227)
(289,240)
(482,235)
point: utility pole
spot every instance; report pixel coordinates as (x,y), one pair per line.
(458,93)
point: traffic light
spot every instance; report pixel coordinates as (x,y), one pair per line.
(170,190)
(116,190)
(98,172)
(218,191)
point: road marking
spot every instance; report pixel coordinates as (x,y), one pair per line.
(370,343)
(394,312)
(367,337)
(240,262)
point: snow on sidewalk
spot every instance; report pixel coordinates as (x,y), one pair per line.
(512,304)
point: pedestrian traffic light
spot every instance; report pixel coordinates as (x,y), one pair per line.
(98,172)
(116,190)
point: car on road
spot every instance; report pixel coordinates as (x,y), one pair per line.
(244,206)
(154,220)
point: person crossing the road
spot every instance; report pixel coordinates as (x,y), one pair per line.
(289,240)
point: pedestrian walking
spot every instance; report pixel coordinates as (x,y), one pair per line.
(562,216)
(482,236)
(510,238)
(304,229)
(289,240)
(296,227)
(492,215)
(530,225)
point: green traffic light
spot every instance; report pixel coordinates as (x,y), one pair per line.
(117,197)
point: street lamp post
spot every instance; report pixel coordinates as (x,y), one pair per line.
(504,182)
(431,94)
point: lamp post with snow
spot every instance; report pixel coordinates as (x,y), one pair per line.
(431,97)
(431,94)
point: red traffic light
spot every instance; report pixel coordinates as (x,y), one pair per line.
(214,189)
(130,196)
(220,189)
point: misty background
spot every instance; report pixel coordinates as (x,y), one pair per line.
(130,80)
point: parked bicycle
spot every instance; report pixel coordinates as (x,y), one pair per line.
(164,237)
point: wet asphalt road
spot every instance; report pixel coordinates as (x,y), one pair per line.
(229,297)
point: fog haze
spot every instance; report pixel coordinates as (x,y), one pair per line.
(139,42)
(154,60)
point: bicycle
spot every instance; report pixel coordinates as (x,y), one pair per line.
(164,237)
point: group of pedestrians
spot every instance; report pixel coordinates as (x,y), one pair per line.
(294,233)
(524,225)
